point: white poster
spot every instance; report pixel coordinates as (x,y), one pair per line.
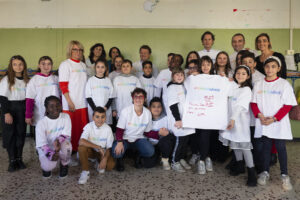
(206,104)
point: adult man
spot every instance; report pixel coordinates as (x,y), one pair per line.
(208,39)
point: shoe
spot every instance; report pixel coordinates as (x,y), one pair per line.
(252,181)
(84,176)
(208,164)
(138,162)
(20,164)
(120,165)
(165,163)
(286,182)
(177,167)
(74,162)
(193,160)
(201,167)
(12,166)
(46,174)
(273,160)
(231,163)
(263,178)
(238,168)
(63,171)
(185,164)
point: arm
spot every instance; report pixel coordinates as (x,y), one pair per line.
(109,102)
(152,134)
(91,103)
(86,143)
(65,90)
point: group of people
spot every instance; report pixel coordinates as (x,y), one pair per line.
(116,108)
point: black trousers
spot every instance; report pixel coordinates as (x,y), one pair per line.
(180,148)
(217,150)
(202,138)
(166,145)
(14,134)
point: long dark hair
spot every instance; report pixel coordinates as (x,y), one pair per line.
(209,60)
(248,82)
(102,56)
(227,66)
(11,74)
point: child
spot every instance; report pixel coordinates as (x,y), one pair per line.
(95,142)
(272,99)
(160,134)
(12,99)
(147,80)
(206,65)
(117,63)
(237,135)
(124,84)
(53,134)
(99,91)
(135,121)
(176,98)
(41,85)
(222,65)
(192,55)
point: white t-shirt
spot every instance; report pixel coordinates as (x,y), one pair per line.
(212,53)
(138,69)
(207,102)
(149,87)
(101,136)
(17,91)
(112,75)
(157,125)
(270,97)
(123,86)
(75,74)
(176,95)
(256,76)
(47,130)
(238,110)
(134,125)
(90,68)
(39,88)
(161,82)
(100,90)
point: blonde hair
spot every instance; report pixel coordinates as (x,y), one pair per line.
(70,47)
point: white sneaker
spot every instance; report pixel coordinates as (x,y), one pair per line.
(185,164)
(100,171)
(201,167)
(84,176)
(193,160)
(208,164)
(177,167)
(263,178)
(166,164)
(286,182)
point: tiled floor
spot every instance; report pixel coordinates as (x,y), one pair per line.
(142,184)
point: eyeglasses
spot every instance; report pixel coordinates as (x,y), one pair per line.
(78,50)
(140,97)
(193,68)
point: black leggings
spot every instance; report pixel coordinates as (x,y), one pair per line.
(202,138)
(166,145)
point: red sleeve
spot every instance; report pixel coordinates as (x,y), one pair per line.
(64,87)
(152,134)
(283,111)
(119,134)
(255,109)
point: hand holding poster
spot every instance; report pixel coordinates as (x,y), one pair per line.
(206,102)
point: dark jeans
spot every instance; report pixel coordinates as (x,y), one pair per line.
(166,145)
(180,148)
(202,138)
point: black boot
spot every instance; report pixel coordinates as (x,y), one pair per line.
(12,166)
(232,163)
(46,174)
(138,162)
(273,160)
(120,165)
(63,171)
(239,168)
(20,164)
(252,181)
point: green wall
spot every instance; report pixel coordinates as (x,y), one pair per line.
(34,43)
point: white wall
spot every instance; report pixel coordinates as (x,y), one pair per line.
(130,13)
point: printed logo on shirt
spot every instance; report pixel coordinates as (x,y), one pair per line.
(137,125)
(207,89)
(269,92)
(47,84)
(100,86)
(55,130)
(164,79)
(232,98)
(180,93)
(127,84)
(18,89)
(96,139)
(149,85)
(78,70)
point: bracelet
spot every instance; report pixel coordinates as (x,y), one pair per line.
(274,118)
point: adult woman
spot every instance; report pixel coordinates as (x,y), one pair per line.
(72,81)
(113,52)
(97,51)
(263,44)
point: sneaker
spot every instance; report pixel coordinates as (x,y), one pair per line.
(185,164)
(208,164)
(193,160)
(47,174)
(84,176)
(120,165)
(201,167)
(63,172)
(286,182)
(20,164)
(12,166)
(99,170)
(177,167)
(263,178)
(165,163)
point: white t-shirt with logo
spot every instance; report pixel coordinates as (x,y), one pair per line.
(138,69)
(17,91)
(212,53)
(149,87)
(161,82)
